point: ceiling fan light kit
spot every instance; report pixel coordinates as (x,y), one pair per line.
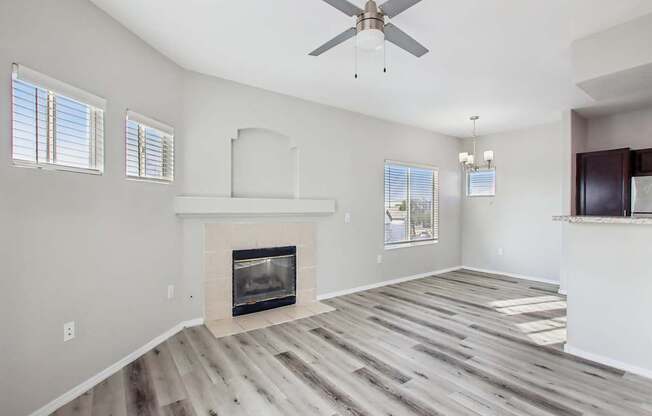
(370,29)
(371,40)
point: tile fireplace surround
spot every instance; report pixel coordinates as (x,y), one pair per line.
(221,239)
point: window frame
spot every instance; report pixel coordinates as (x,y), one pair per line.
(54,89)
(468,184)
(163,129)
(434,211)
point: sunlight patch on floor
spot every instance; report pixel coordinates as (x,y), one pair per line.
(536,307)
(542,325)
(550,331)
(524,301)
(555,336)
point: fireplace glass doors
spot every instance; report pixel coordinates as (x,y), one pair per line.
(263,279)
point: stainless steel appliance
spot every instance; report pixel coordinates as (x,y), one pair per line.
(642,196)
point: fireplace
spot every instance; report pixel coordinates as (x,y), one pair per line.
(264,278)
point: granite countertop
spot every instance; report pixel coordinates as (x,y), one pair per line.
(572,219)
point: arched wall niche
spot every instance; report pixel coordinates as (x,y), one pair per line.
(264,164)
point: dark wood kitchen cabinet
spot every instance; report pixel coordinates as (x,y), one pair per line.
(642,160)
(604,183)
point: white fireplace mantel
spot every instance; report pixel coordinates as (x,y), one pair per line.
(224,206)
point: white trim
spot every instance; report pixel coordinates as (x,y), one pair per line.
(385,283)
(35,78)
(411,165)
(221,206)
(78,390)
(192,322)
(149,180)
(514,275)
(55,167)
(150,122)
(608,361)
(396,246)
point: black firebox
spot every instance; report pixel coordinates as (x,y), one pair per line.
(264,278)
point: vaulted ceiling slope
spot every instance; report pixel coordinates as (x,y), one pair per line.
(508,60)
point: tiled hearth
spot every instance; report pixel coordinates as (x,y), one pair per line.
(219,242)
(231,326)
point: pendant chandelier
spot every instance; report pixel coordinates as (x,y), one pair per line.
(468,161)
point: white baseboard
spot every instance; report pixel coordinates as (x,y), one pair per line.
(112,369)
(514,275)
(191,323)
(608,361)
(385,283)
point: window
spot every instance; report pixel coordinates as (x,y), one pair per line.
(481,183)
(411,203)
(55,125)
(149,148)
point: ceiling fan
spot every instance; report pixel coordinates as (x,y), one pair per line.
(371,30)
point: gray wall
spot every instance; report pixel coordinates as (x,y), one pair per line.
(99,250)
(341,156)
(609,286)
(518,219)
(271,176)
(631,129)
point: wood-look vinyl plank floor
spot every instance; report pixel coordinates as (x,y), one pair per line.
(464,343)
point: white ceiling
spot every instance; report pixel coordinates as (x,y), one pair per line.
(506,60)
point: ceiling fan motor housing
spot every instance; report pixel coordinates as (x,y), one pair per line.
(371,18)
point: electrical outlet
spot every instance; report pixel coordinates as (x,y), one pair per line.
(170,291)
(347,218)
(379,258)
(500,251)
(68,331)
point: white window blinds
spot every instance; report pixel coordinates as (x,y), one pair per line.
(411,203)
(481,183)
(53,130)
(149,148)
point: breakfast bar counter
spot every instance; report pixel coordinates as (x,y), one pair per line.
(606,272)
(575,219)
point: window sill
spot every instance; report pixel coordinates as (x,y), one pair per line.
(149,180)
(54,167)
(411,244)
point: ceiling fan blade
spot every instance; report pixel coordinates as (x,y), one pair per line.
(392,8)
(345,7)
(347,34)
(404,41)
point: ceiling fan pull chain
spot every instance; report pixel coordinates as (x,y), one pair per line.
(355,50)
(385,57)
